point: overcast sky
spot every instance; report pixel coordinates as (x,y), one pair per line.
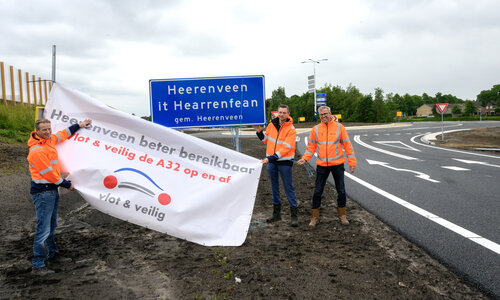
(111,49)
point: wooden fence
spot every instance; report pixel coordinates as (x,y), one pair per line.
(20,89)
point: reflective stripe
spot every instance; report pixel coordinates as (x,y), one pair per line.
(284,143)
(46,171)
(40,181)
(265,138)
(58,137)
(329,143)
(346,140)
(286,158)
(278,155)
(35,147)
(32,166)
(313,141)
(271,139)
(309,153)
(68,132)
(329,159)
(350,156)
(54,162)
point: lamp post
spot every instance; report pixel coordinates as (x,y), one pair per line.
(314,62)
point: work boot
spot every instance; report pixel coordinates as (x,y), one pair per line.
(276,214)
(293,214)
(42,271)
(342,217)
(314,217)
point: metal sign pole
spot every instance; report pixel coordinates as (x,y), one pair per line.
(53,63)
(442,127)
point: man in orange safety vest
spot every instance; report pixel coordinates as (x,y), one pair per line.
(330,142)
(46,177)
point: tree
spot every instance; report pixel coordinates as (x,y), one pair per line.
(379,109)
(456,110)
(364,112)
(490,96)
(470,108)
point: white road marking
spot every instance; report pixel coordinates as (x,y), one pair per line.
(432,217)
(439,127)
(419,174)
(358,140)
(390,143)
(452,150)
(455,168)
(465,161)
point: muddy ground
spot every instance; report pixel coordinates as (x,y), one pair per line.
(112,259)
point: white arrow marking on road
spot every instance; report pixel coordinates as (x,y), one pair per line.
(419,174)
(476,162)
(395,144)
(454,168)
(358,140)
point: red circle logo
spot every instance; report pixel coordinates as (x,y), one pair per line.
(164,199)
(110,181)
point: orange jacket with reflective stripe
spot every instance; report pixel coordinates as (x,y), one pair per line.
(43,159)
(330,141)
(281,142)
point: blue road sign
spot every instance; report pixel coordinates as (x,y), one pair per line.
(208,101)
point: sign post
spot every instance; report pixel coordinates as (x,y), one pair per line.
(441,108)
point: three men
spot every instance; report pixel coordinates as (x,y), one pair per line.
(329,140)
(45,179)
(280,152)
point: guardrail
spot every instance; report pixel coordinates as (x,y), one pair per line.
(17,88)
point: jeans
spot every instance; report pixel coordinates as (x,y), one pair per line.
(46,204)
(286,175)
(322,174)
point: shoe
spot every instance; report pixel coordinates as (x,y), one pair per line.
(42,271)
(59,259)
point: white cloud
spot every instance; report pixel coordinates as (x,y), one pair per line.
(110,49)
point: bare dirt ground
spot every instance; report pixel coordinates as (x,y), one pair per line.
(472,139)
(112,259)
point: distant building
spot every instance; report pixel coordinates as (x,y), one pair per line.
(488,110)
(425,110)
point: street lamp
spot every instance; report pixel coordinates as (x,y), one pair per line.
(314,62)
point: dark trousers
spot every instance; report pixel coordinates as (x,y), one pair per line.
(322,174)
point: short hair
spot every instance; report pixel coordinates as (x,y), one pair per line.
(324,107)
(284,106)
(40,121)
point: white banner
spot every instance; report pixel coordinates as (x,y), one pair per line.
(154,176)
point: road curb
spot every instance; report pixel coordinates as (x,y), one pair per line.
(431,137)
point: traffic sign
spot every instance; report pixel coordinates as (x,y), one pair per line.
(441,108)
(208,101)
(274,114)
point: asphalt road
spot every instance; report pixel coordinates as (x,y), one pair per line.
(444,200)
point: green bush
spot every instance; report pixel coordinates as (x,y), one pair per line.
(16,122)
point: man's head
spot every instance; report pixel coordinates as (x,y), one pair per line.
(283,112)
(42,128)
(325,114)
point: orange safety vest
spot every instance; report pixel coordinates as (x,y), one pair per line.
(329,141)
(282,142)
(43,159)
